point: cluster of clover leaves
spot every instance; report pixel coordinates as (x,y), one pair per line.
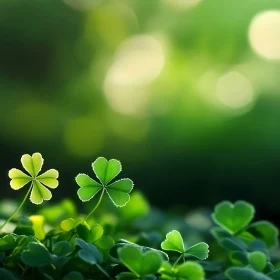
(79,248)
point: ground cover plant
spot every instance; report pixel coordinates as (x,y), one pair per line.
(123,237)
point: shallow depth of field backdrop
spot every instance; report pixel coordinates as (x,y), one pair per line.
(186,93)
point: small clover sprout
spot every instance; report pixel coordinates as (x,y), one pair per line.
(39,192)
(174,242)
(105,171)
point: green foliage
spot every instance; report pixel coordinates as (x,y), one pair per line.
(73,247)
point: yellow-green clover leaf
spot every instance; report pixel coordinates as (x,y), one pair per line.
(33,165)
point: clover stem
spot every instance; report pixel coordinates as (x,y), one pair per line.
(182,255)
(103,271)
(20,206)
(71,236)
(101,196)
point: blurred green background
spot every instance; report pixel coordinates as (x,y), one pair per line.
(184,92)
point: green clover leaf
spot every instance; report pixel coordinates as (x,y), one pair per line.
(88,252)
(199,250)
(94,235)
(174,242)
(73,275)
(36,255)
(258,260)
(33,165)
(265,231)
(188,270)
(245,273)
(124,243)
(70,223)
(105,171)
(233,217)
(8,242)
(141,264)
(6,274)
(63,248)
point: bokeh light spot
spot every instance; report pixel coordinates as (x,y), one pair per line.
(183,4)
(138,61)
(234,90)
(264,34)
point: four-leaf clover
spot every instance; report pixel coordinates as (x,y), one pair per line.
(33,164)
(105,171)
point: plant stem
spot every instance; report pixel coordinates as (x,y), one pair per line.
(103,271)
(102,193)
(182,255)
(20,206)
(71,236)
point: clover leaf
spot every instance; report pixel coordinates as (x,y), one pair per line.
(105,171)
(73,275)
(189,270)
(265,231)
(7,275)
(233,217)
(70,224)
(95,236)
(186,271)
(174,242)
(258,260)
(141,264)
(123,243)
(7,242)
(244,273)
(33,164)
(199,250)
(88,252)
(63,248)
(36,255)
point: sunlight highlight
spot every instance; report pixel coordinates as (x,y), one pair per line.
(183,4)
(138,61)
(264,34)
(234,90)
